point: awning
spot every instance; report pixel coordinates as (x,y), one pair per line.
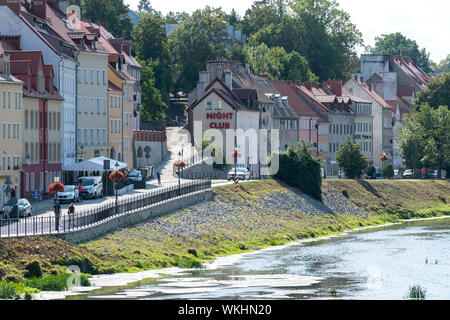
(95,164)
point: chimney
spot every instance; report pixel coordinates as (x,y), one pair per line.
(361,79)
(201,86)
(407,60)
(325,83)
(13,40)
(415,62)
(39,8)
(204,77)
(308,85)
(370,87)
(356,77)
(316,85)
(336,87)
(126,46)
(14,5)
(298,83)
(229,79)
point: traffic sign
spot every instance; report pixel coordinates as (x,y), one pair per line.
(36,194)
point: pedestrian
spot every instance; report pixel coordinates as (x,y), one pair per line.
(340,173)
(158,175)
(57,210)
(71,212)
(13,193)
(80,189)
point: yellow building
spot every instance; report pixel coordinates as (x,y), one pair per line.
(114,114)
(11,126)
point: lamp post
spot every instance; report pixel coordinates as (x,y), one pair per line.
(56,179)
(116,168)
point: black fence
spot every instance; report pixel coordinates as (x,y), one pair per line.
(84,219)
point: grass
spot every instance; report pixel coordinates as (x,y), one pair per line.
(55,282)
(9,290)
(416,292)
(255,226)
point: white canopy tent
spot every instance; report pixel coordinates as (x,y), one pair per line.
(95,164)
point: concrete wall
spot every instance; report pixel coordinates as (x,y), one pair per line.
(371,63)
(135,217)
(157,153)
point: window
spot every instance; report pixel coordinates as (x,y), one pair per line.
(218,105)
(118,103)
(86,138)
(111,102)
(98,105)
(98,137)
(111,130)
(79,135)
(9,99)
(32,182)
(80,104)
(92,76)
(104,136)
(98,77)
(4,99)
(85,76)
(92,105)
(92,136)
(104,77)
(86,104)
(104,106)
(119,128)
(208,105)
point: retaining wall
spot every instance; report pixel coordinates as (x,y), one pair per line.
(134,217)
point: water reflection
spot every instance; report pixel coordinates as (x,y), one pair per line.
(365,265)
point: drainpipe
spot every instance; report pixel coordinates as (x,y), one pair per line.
(77,65)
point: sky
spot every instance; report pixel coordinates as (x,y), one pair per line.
(427,22)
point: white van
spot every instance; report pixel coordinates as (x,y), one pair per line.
(91,187)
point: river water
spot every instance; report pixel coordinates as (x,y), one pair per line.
(380,263)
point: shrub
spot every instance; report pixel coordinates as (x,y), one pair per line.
(33,270)
(182,262)
(300,170)
(416,292)
(388,171)
(350,158)
(54,282)
(10,290)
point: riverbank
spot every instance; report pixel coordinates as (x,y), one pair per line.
(263,214)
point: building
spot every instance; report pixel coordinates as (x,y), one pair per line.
(150,147)
(114,115)
(313,127)
(382,118)
(42,108)
(37,24)
(11,113)
(217,106)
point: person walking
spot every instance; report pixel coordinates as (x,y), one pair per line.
(158,176)
(57,210)
(80,189)
(340,173)
(71,212)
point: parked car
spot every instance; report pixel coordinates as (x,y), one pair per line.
(92,187)
(25,208)
(242,173)
(433,174)
(135,176)
(397,174)
(70,194)
(408,174)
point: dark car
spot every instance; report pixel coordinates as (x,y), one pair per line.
(25,208)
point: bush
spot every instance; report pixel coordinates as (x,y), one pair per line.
(10,290)
(300,170)
(54,282)
(33,270)
(416,292)
(388,171)
(350,158)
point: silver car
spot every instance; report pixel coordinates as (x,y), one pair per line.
(25,208)
(242,173)
(135,175)
(70,194)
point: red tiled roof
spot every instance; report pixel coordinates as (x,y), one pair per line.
(411,69)
(371,93)
(20,66)
(295,101)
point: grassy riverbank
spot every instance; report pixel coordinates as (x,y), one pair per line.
(264,213)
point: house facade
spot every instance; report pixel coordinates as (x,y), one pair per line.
(11,113)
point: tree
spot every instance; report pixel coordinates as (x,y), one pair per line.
(317,29)
(351,160)
(233,18)
(398,44)
(152,106)
(437,92)
(197,39)
(150,43)
(388,171)
(277,63)
(176,17)
(114,12)
(424,139)
(444,65)
(299,169)
(145,6)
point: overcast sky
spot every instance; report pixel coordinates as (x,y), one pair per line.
(427,22)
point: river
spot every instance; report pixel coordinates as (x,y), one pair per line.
(379,263)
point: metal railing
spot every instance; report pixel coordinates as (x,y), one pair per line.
(33,226)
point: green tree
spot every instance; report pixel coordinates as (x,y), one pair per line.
(424,139)
(351,160)
(175,17)
(151,44)
(114,12)
(299,169)
(197,39)
(239,53)
(388,171)
(152,105)
(233,18)
(145,6)
(398,44)
(317,29)
(444,65)
(437,92)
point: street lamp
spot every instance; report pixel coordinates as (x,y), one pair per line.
(116,168)
(56,179)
